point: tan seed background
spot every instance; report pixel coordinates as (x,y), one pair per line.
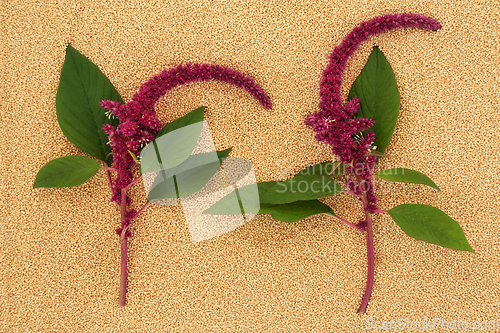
(60,256)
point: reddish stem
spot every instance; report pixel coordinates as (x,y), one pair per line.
(109,179)
(371,264)
(369,252)
(357,227)
(123,253)
(133,182)
(107,168)
(140,210)
(123,268)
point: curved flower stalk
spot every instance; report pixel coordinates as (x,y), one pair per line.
(336,124)
(138,125)
(352,131)
(127,129)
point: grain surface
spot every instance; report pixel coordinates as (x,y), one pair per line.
(59,254)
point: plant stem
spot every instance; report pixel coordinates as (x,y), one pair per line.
(346,222)
(370,258)
(140,210)
(108,174)
(109,169)
(133,182)
(123,267)
(123,252)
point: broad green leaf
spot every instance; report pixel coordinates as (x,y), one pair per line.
(246,197)
(66,171)
(378,94)
(192,117)
(188,177)
(295,211)
(301,187)
(407,176)
(171,149)
(298,188)
(81,88)
(431,225)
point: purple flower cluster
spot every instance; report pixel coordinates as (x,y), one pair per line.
(138,122)
(157,86)
(335,123)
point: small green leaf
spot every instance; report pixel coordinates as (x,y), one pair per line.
(81,88)
(171,149)
(378,94)
(192,117)
(133,156)
(109,159)
(222,154)
(295,211)
(66,172)
(431,225)
(406,176)
(301,187)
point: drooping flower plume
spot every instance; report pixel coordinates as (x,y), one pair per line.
(335,124)
(139,124)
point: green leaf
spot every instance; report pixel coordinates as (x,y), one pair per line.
(66,171)
(266,194)
(192,117)
(133,156)
(295,211)
(406,176)
(171,149)
(186,178)
(379,99)
(301,187)
(81,88)
(431,225)
(222,154)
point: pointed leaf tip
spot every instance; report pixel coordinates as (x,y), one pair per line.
(379,98)
(82,87)
(406,176)
(431,225)
(66,172)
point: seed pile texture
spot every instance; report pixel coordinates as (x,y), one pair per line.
(59,258)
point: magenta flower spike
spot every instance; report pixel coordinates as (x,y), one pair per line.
(335,124)
(138,126)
